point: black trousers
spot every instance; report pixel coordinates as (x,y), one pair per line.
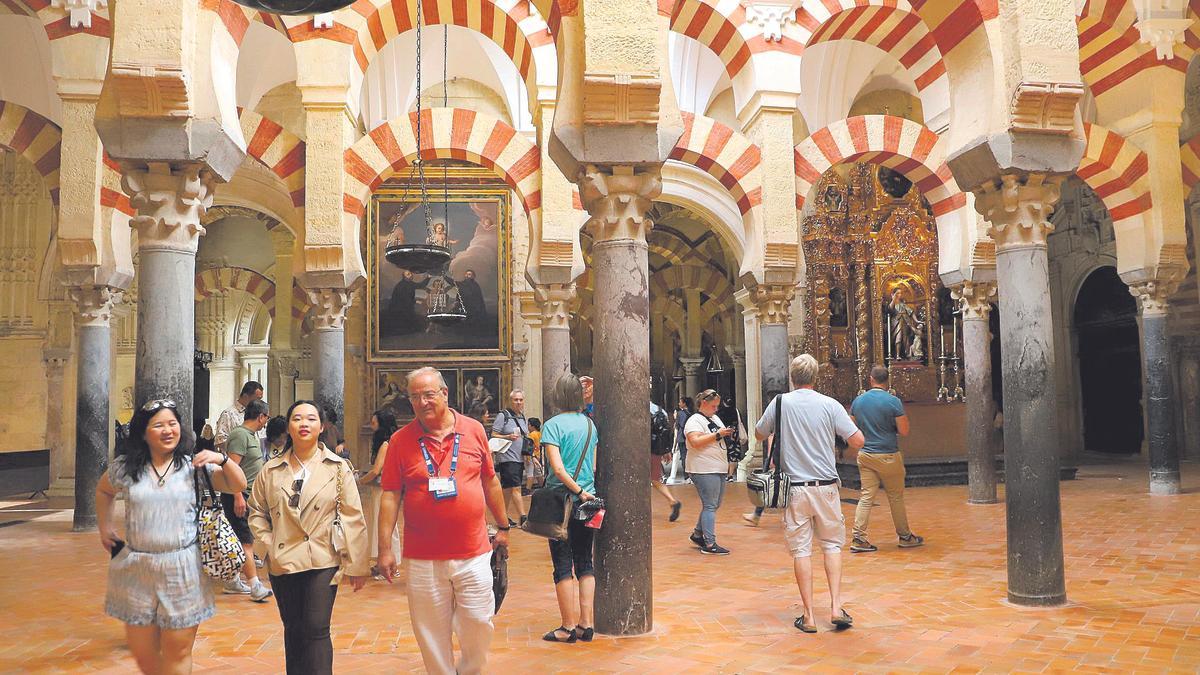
(305,602)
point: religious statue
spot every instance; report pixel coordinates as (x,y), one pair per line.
(904,327)
(918,349)
(837,307)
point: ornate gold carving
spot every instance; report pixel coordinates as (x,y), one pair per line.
(773,302)
(556,252)
(94,304)
(1018,207)
(329,307)
(151,90)
(170,200)
(555,301)
(1154,295)
(1045,107)
(617,200)
(974,298)
(620,98)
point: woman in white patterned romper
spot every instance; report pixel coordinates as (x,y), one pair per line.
(155,581)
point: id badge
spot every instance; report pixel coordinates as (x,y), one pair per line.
(443,488)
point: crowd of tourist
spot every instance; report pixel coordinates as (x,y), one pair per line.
(443,490)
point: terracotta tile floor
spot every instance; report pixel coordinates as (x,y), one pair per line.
(1133,579)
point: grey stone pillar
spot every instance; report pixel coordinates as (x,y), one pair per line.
(93,317)
(739,381)
(555,301)
(1017,208)
(1153,297)
(170,200)
(774,303)
(617,202)
(693,373)
(975,300)
(1189,390)
(56,360)
(329,348)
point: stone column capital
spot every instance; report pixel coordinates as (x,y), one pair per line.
(617,199)
(1017,208)
(974,298)
(1154,295)
(555,301)
(773,302)
(94,304)
(329,307)
(56,359)
(691,365)
(170,198)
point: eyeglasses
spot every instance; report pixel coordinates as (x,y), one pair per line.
(294,498)
(428,395)
(158,404)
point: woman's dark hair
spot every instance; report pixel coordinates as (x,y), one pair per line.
(689,404)
(137,451)
(288,418)
(535,424)
(387,427)
(276,426)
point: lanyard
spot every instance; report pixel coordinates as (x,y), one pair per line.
(429,460)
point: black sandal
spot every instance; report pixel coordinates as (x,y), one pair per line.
(584,634)
(804,627)
(552,637)
(844,621)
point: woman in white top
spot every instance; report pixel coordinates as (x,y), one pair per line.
(707,464)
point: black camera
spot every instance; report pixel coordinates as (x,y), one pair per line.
(733,446)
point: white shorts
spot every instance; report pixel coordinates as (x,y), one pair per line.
(816,508)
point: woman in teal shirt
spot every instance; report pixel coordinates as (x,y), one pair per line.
(566,438)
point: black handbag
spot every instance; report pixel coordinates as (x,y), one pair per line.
(769,487)
(550,507)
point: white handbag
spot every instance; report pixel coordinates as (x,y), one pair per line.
(769,487)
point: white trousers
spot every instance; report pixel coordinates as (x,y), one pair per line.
(448,598)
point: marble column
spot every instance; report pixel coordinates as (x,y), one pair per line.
(693,374)
(93,319)
(738,359)
(329,347)
(773,303)
(617,200)
(170,200)
(282,366)
(555,300)
(1153,299)
(1189,390)
(975,300)
(1017,208)
(56,360)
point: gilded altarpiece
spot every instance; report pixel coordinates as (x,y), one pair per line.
(871,255)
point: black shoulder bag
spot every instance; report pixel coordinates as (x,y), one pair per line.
(550,506)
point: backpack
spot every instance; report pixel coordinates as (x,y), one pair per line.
(660,433)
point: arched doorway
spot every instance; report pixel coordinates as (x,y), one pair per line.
(1110,368)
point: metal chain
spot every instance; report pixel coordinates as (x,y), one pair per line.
(421,162)
(446,104)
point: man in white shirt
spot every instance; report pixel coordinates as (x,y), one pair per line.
(233,416)
(809,422)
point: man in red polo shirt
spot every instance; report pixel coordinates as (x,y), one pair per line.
(440,466)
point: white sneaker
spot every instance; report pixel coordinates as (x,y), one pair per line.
(260,592)
(236,587)
(750,519)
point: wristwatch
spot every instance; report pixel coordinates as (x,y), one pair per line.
(222,463)
(506,528)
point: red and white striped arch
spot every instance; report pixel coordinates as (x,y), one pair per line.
(705,279)
(278,149)
(892,27)
(1118,172)
(35,138)
(897,143)
(951,22)
(724,154)
(57,21)
(447,133)
(216,279)
(1189,156)
(1110,48)
(726,35)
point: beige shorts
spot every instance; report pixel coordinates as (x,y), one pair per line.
(817,508)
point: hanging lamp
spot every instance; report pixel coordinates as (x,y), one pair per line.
(294,7)
(434,253)
(714,361)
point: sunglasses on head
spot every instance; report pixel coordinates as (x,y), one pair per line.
(158,404)
(708,395)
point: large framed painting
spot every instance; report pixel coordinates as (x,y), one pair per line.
(476,222)
(481,392)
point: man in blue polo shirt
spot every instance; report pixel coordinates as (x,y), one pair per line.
(880,416)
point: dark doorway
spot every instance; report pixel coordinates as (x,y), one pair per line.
(1110,368)
(200,389)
